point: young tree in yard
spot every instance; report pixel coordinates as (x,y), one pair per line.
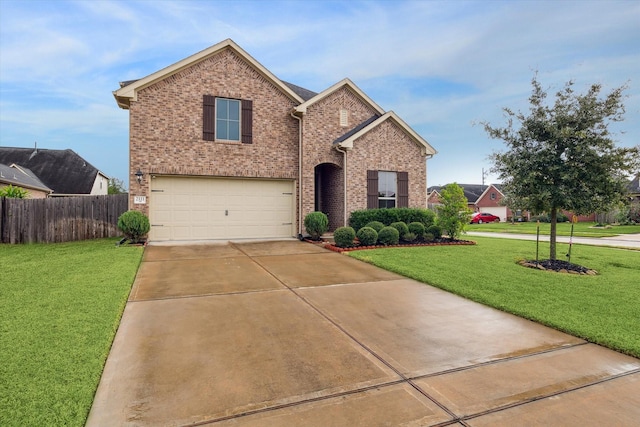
(562,156)
(453,214)
(116,186)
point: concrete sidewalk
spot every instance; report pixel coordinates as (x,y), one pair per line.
(620,241)
(289,334)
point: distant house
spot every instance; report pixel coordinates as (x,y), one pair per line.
(480,198)
(63,172)
(19,176)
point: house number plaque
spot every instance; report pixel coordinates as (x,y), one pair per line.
(139,200)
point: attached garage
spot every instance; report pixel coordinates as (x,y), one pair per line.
(197,208)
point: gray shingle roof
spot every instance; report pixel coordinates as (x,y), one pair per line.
(303,93)
(63,171)
(20,177)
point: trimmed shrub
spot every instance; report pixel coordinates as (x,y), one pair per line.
(428,237)
(389,236)
(387,216)
(425,216)
(316,224)
(401,227)
(417,228)
(435,231)
(409,237)
(368,236)
(376,225)
(134,225)
(344,236)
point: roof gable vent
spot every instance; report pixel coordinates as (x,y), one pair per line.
(344,117)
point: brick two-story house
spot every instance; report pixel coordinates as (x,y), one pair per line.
(220,148)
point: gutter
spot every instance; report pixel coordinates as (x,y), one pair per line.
(299,119)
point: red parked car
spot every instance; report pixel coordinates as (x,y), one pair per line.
(480,217)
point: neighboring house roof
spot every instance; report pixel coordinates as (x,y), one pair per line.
(129,90)
(63,171)
(20,176)
(374,122)
(484,193)
(473,192)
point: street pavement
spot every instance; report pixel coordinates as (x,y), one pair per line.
(620,241)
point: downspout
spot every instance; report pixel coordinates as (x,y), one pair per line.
(299,119)
(344,152)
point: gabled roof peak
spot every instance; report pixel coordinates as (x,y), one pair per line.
(302,108)
(128,90)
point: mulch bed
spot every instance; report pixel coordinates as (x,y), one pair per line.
(439,242)
(559,267)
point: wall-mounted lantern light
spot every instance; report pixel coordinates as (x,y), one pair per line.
(139,176)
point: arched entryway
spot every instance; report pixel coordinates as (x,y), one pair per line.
(329,193)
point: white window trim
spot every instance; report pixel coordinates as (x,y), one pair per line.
(239,119)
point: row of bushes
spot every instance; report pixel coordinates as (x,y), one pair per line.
(386,216)
(376,232)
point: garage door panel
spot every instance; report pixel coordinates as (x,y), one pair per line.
(184,208)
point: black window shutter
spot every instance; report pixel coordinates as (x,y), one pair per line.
(403,189)
(372,189)
(208,118)
(247,121)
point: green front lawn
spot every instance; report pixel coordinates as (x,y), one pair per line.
(61,306)
(581,229)
(603,309)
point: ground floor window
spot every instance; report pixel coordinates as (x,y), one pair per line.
(387,189)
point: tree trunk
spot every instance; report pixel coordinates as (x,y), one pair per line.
(552,237)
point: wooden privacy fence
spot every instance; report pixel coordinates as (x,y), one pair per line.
(61,219)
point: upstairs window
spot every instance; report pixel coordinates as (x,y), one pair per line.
(228,119)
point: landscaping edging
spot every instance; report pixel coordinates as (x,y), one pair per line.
(332,247)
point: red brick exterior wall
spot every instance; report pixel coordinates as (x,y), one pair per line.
(166,126)
(385,148)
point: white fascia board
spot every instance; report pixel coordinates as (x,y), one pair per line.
(129,92)
(425,148)
(302,108)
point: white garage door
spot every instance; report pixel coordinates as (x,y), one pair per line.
(189,208)
(500,211)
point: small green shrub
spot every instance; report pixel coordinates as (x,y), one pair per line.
(417,228)
(401,227)
(134,225)
(409,237)
(368,236)
(389,236)
(344,236)
(376,225)
(316,224)
(435,231)
(428,237)
(12,192)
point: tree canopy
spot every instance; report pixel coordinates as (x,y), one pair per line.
(562,155)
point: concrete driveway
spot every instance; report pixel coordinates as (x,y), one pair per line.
(289,334)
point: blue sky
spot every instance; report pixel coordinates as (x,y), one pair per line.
(441,65)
